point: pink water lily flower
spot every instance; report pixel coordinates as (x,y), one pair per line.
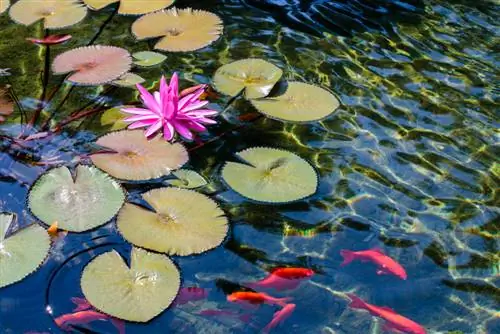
(168,112)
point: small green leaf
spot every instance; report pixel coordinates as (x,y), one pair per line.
(128,80)
(187,179)
(148,58)
(114,117)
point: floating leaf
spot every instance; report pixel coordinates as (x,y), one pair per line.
(93,65)
(114,117)
(138,158)
(181,29)
(300,103)
(131,7)
(138,293)
(89,201)
(50,40)
(256,76)
(271,175)
(128,80)
(54,13)
(148,58)
(4,4)
(6,105)
(22,252)
(187,179)
(184,222)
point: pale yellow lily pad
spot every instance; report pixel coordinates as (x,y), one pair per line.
(22,252)
(138,158)
(138,293)
(184,222)
(54,13)
(4,4)
(300,103)
(131,7)
(271,175)
(188,179)
(256,76)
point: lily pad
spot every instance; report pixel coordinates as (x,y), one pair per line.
(138,158)
(4,4)
(256,76)
(114,117)
(78,205)
(22,252)
(300,103)
(187,179)
(56,14)
(183,222)
(131,7)
(128,80)
(138,293)
(148,58)
(271,175)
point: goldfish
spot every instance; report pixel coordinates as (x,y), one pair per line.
(85,313)
(54,232)
(283,278)
(393,322)
(256,298)
(50,40)
(386,264)
(279,317)
(188,294)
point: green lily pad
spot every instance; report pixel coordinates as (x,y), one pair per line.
(187,179)
(128,80)
(89,201)
(114,117)
(148,58)
(300,103)
(138,293)
(183,222)
(271,175)
(22,252)
(256,76)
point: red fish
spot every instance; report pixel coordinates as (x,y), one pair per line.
(393,321)
(386,265)
(279,317)
(256,298)
(283,278)
(189,294)
(50,40)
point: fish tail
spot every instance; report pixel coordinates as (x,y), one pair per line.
(356,302)
(283,301)
(347,255)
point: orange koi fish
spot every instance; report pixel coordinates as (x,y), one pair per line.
(393,321)
(283,278)
(54,233)
(279,317)
(386,265)
(256,298)
(192,293)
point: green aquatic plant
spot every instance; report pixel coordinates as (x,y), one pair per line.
(89,200)
(148,58)
(138,293)
(183,222)
(128,80)
(270,175)
(113,118)
(188,179)
(56,14)
(180,30)
(255,77)
(130,7)
(136,158)
(301,102)
(93,65)
(22,252)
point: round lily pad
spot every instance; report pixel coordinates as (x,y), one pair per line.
(78,205)
(188,179)
(128,80)
(138,293)
(138,158)
(256,76)
(22,252)
(271,175)
(184,222)
(300,103)
(148,58)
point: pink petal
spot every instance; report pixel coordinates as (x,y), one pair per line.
(168,131)
(194,105)
(138,111)
(183,131)
(141,118)
(174,83)
(202,112)
(148,99)
(191,98)
(154,128)
(140,124)
(196,127)
(205,120)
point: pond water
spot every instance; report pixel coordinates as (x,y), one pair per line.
(408,163)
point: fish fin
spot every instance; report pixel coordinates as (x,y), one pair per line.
(119,324)
(347,255)
(388,327)
(81,304)
(356,302)
(283,301)
(378,250)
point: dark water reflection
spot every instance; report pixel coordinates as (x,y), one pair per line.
(409,163)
